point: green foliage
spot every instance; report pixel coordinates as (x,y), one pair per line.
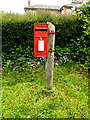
(18,36)
(82,43)
(86,10)
(77,48)
(67,26)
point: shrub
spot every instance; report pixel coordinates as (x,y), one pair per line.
(18,35)
(18,32)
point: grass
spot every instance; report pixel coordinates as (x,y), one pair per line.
(24,94)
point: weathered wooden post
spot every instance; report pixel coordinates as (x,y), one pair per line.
(50,59)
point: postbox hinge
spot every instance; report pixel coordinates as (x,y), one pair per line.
(51,50)
(51,32)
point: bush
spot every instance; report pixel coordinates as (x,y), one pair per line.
(18,31)
(18,35)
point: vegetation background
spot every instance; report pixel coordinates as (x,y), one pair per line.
(72,36)
(22,94)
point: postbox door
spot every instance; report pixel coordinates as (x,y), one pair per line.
(40,47)
(40,40)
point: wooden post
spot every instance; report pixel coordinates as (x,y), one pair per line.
(50,59)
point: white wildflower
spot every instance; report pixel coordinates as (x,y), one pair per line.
(28,116)
(38,62)
(56,63)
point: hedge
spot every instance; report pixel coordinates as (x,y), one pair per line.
(18,35)
(18,30)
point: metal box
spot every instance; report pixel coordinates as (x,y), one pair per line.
(40,39)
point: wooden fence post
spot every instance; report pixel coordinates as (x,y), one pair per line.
(50,59)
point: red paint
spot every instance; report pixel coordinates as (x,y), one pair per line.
(40,34)
(51,50)
(51,32)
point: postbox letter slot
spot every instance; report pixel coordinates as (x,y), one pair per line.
(40,29)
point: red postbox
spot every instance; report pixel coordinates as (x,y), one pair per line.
(40,39)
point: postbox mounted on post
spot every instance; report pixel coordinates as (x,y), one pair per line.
(40,39)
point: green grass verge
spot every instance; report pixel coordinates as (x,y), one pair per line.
(24,94)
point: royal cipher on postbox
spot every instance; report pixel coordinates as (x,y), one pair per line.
(40,39)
